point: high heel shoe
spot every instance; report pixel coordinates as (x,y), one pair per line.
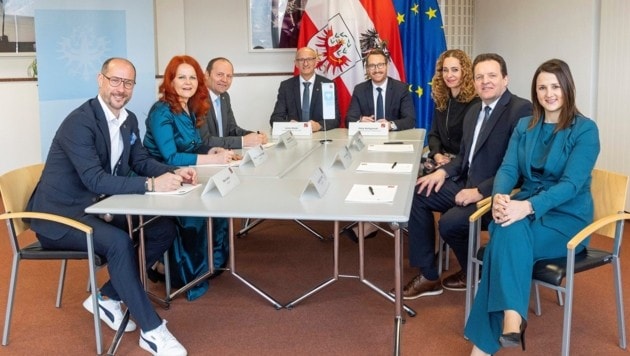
(514,339)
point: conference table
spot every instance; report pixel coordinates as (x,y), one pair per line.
(283,183)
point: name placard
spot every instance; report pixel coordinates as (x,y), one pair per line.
(343,158)
(224,181)
(356,141)
(317,185)
(368,128)
(297,128)
(255,155)
(287,140)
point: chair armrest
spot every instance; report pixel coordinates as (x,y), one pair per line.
(481,211)
(50,217)
(594,226)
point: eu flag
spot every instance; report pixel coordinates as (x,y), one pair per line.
(422,38)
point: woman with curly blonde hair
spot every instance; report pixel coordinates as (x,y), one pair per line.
(453,93)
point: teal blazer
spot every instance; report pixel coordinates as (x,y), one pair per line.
(561,197)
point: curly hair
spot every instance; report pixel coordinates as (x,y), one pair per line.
(198,103)
(440,93)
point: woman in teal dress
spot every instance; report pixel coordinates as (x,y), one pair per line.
(173,138)
(553,153)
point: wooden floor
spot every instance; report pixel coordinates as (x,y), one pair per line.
(346,318)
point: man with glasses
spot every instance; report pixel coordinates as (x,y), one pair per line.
(96,152)
(300,97)
(381,98)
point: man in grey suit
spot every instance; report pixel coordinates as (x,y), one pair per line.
(220,128)
(290,101)
(96,152)
(454,188)
(381,98)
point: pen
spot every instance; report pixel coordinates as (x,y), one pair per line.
(393,143)
(394,165)
(371,190)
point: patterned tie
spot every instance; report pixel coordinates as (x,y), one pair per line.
(380,112)
(306,102)
(217,104)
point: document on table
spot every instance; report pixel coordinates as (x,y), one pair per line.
(234,163)
(363,193)
(181,191)
(393,167)
(391,148)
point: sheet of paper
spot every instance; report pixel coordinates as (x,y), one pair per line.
(363,193)
(391,148)
(235,163)
(181,191)
(374,167)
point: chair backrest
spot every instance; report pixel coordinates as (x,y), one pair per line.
(16,188)
(609,192)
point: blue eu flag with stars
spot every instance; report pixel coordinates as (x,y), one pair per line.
(422,38)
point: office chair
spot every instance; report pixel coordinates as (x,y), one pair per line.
(609,191)
(16,188)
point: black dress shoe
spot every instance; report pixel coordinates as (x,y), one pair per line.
(353,236)
(514,339)
(155,276)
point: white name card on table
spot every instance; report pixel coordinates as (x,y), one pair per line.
(343,158)
(357,141)
(297,128)
(224,181)
(328,101)
(256,155)
(394,167)
(317,185)
(364,193)
(368,128)
(287,140)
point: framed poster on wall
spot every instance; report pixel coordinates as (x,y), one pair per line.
(274,25)
(17,26)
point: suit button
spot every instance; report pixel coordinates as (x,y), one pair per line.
(95,199)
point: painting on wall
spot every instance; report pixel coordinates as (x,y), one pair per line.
(17,26)
(274,24)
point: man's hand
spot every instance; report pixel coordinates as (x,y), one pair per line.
(431,182)
(468,196)
(254,139)
(367,118)
(315,126)
(188,174)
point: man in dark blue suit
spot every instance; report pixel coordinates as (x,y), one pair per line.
(96,152)
(291,95)
(395,106)
(454,188)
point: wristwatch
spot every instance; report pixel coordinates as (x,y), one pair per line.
(392,126)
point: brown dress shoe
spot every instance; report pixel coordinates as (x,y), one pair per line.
(420,287)
(455,282)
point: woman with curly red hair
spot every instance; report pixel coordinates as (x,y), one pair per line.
(172,137)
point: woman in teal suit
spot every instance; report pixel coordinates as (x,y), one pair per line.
(172,137)
(553,153)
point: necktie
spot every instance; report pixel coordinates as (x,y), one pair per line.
(217,105)
(380,112)
(306,102)
(478,129)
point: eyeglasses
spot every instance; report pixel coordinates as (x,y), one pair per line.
(305,60)
(376,65)
(115,81)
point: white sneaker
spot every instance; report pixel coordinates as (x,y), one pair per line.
(161,342)
(109,312)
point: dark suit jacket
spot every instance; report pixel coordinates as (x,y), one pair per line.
(491,144)
(231,131)
(77,173)
(289,105)
(399,106)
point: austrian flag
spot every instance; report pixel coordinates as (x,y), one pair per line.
(342,33)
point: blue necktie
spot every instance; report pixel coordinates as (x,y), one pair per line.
(306,102)
(380,112)
(217,104)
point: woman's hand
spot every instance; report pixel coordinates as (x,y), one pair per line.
(506,211)
(441,159)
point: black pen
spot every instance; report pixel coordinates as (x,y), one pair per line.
(393,143)
(371,190)
(394,165)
